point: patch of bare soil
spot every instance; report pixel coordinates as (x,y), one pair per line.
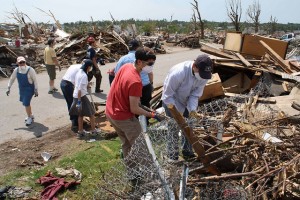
(17,154)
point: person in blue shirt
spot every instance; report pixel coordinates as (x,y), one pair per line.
(182,88)
(91,54)
(146,74)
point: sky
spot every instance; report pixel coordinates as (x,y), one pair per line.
(285,11)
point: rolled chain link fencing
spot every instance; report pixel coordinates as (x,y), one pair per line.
(142,175)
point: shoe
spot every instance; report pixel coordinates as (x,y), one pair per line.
(32,117)
(55,90)
(98,91)
(82,133)
(74,129)
(50,92)
(29,121)
(96,132)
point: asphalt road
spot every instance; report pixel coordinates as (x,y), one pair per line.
(50,111)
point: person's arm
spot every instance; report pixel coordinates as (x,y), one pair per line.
(136,109)
(95,62)
(12,78)
(54,59)
(192,103)
(151,77)
(32,75)
(172,83)
(118,66)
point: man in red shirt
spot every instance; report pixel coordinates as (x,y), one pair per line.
(124,98)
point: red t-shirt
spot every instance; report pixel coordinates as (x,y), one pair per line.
(126,83)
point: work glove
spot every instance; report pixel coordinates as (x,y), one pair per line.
(194,114)
(36,93)
(79,106)
(8,91)
(156,116)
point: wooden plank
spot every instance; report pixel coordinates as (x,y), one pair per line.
(216,52)
(213,88)
(276,57)
(237,84)
(246,62)
(260,99)
(193,139)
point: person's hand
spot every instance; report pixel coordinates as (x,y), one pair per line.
(156,116)
(79,106)
(194,114)
(36,93)
(7,92)
(89,89)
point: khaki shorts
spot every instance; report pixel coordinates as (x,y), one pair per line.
(128,131)
(51,71)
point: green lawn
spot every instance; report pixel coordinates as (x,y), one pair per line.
(92,160)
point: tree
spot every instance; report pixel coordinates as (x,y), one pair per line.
(234,12)
(194,21)
(201,23)
(272,25)
(253,12)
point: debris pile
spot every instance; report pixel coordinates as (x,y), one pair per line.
(246,140)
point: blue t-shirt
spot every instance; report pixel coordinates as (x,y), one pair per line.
(91,53)
(130,58)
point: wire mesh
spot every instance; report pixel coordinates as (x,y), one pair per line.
(138,176)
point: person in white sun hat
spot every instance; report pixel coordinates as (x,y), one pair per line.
(28,87)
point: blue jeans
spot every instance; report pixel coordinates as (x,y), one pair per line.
(67,89)
(173,138)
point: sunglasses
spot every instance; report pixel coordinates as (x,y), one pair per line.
(22,62)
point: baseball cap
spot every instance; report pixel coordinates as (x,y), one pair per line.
(144,54)
(133,44)
(204,64)
(20,58)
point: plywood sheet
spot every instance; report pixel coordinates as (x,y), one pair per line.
(252,46)
(233,42)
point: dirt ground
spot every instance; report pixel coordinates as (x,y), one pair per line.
(17,154)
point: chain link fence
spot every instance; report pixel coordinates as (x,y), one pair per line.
(148,173)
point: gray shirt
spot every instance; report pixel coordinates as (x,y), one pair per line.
(182,88)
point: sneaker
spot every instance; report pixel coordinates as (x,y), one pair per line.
(32,117)
(96,132)
(55,90)
(50,92)
(82,133)
(29,121)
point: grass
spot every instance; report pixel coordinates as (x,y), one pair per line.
(91,159)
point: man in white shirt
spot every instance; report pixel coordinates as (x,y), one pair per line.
(67,87)
(28,87)
(182,88)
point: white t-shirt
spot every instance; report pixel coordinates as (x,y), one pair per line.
(71,73)
(81,83)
